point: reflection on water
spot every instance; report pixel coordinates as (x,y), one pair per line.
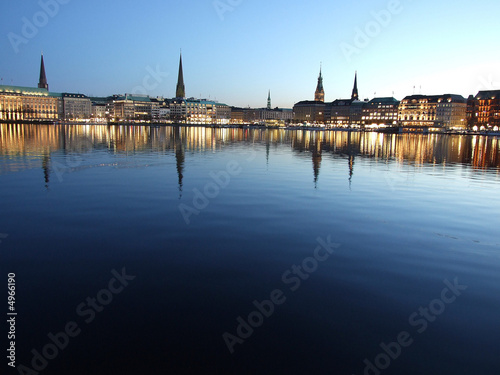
(33,145)
(408,210)
(36,140)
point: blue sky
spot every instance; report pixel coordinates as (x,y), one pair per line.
(236,50)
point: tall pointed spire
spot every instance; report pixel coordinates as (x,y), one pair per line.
(319,95)
(180,91)
(269,100)
(42,83)
(355,95)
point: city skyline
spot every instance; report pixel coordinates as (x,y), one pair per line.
(415,112)
(238,62)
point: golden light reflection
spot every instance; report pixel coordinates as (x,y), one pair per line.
(415,149)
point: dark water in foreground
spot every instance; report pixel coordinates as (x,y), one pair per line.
(149,244)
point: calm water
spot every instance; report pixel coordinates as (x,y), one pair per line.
(212,222)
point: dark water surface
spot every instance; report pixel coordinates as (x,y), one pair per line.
(212,224)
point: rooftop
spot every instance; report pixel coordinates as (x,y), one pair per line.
(488,94)
(23,90)
(385,100)
(309,102)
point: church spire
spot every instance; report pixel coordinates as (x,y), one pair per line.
(180,91)
(42,84)
(355,95)
(269,100)
(319,95)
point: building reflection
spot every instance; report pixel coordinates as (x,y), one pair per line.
(34,145)
(316,159)
(46,169)
(179,156)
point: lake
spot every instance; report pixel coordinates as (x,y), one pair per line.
(192,250)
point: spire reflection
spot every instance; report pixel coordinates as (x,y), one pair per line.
(46,169)
(35,146)
(316,159)
(179,157)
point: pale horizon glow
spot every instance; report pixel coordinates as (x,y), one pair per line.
(235,51)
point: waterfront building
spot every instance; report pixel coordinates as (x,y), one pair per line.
(418,111)
(244,115)
(380,112)
(266,115)
(486,110)
(75,107)
(164,114)
(309,111)
(155,108)
(222,114)
(338,112)
(470,112)
(123,108)
(160,109)
(100,108)
(98,111)
(451,112)
(319,95)
(421,111)
(155,104)
(269,115)
(261,115)
(178,110)
(356,113)
(346,112)
(142,107)
(238,115)
(200,111)
(273,115)
(286,114)
(132,108)
(19,103)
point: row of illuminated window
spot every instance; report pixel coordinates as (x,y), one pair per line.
(417,118)
(379,118)
(382,113)
(22,109)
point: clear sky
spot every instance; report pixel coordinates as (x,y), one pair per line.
(234,51)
